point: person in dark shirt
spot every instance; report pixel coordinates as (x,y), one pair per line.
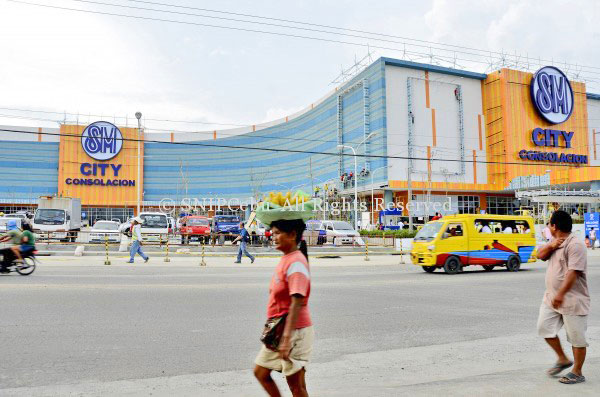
(243,238)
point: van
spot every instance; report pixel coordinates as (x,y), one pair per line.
(341,232)
(462,240)
(155,226)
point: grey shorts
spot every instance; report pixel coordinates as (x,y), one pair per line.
(550,322)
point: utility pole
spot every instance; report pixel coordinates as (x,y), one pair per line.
(409,198)
(138,116)
(312,185)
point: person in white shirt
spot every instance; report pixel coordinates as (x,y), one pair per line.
(136,240)
(486,228)
(593,238)
(509,227)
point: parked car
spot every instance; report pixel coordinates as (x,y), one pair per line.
(25,216)
(105,230)
(125,227)
(340,232)
(315,231)
(195,227)
(5,219)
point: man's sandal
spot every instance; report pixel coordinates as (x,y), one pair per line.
(558,368)
(571,379)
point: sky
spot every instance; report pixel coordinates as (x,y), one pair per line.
(205,78)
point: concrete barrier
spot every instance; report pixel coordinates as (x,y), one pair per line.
(79,250)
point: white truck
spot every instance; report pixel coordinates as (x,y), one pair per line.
(61,216)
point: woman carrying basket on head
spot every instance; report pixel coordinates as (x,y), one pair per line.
(288,336)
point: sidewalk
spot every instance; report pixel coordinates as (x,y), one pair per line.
(500,366)
(317,260)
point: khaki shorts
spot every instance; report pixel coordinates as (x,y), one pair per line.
(302,345)
(550,322)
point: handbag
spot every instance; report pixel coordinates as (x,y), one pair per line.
(273,331)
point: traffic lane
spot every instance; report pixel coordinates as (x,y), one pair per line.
(161,327)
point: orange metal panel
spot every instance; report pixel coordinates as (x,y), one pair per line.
(428,163)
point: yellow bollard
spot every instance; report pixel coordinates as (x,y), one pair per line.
(203,262)
(167,259)
(107,261)
(367,249)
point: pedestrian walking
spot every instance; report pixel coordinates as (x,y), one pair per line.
(567,299)
(243,238)
(136,240)
(289,334)
(593,238)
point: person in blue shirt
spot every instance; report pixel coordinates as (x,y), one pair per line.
(243,238)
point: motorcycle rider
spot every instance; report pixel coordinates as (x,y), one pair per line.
(27,243)
(13,234)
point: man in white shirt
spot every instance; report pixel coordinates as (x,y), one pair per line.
(136,240)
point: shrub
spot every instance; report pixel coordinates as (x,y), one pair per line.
(404,233)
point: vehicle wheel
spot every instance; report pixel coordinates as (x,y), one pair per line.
(452,265)
(513,264)
(73,237)
(429,269)
(488,268)
(27,267)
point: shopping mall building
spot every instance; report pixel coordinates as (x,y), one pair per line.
(419,129)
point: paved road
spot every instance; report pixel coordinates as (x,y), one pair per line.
(181,328)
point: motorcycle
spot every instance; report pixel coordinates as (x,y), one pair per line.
(26,267)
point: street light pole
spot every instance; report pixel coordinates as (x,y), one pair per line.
(356,175)
(138,116)
(355,185)
(372,194)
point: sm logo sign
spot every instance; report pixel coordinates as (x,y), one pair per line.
(102,140)
(552,95)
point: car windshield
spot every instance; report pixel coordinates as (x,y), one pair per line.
(197,222)
(428,232)
(49,217)
(235,219)
(339,225)
(154,221)
(106,226)
(314,226)
(20,216)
